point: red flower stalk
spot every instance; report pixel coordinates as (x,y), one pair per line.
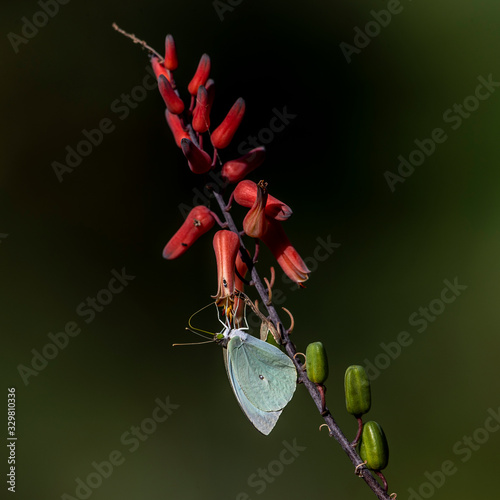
(222,135)
(201,75)
(170,53)
(175,124)
(199,162)
(226,246)
(172,100)
(245,194)
(286,255)
(210,86)
(201,113)
(255,223)
(158,67)
(198,222)
(239,304)
(235,170)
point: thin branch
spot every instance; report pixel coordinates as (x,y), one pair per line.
(291,351)
(139,41)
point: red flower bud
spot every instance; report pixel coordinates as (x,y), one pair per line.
(255,223)
(199,162)
(158,67)
(226,245)
(286,255)
(201,75)
(222,135)
(170,53)
(198,222)
(245,193)
(201,117)
(172,100)
(235,170)
(175,124)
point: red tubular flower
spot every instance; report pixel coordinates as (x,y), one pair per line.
(255,223)
(158,67)
(172,100)
(198,222)
(175,124)
(170,53)
(286,255)
(245,194)
(201,116)
(199,162)
(226,245)
(222,135)
(235,170)
(201,75)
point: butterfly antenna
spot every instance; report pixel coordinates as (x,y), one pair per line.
(194,343)
(209,341)
(194,329)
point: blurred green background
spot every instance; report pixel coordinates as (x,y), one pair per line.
(119,207)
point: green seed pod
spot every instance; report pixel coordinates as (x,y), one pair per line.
(358,399)
(316,363)
(373,446)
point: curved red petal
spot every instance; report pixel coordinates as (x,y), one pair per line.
(245,194)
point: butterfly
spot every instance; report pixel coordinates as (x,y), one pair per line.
(262,377)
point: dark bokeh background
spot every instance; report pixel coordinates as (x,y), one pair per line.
(120,205)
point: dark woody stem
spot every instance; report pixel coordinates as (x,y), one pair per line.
(302,378)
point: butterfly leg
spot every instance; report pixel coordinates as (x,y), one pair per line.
(255,309)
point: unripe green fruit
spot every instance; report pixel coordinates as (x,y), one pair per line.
(373,446)
(358,398)
(316,363)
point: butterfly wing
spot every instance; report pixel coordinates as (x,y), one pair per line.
(264,421)
(266,376)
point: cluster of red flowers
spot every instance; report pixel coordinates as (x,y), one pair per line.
(263,220)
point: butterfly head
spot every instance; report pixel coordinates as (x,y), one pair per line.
(229,333)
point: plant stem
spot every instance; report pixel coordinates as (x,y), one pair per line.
(335,430)
(139,41)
